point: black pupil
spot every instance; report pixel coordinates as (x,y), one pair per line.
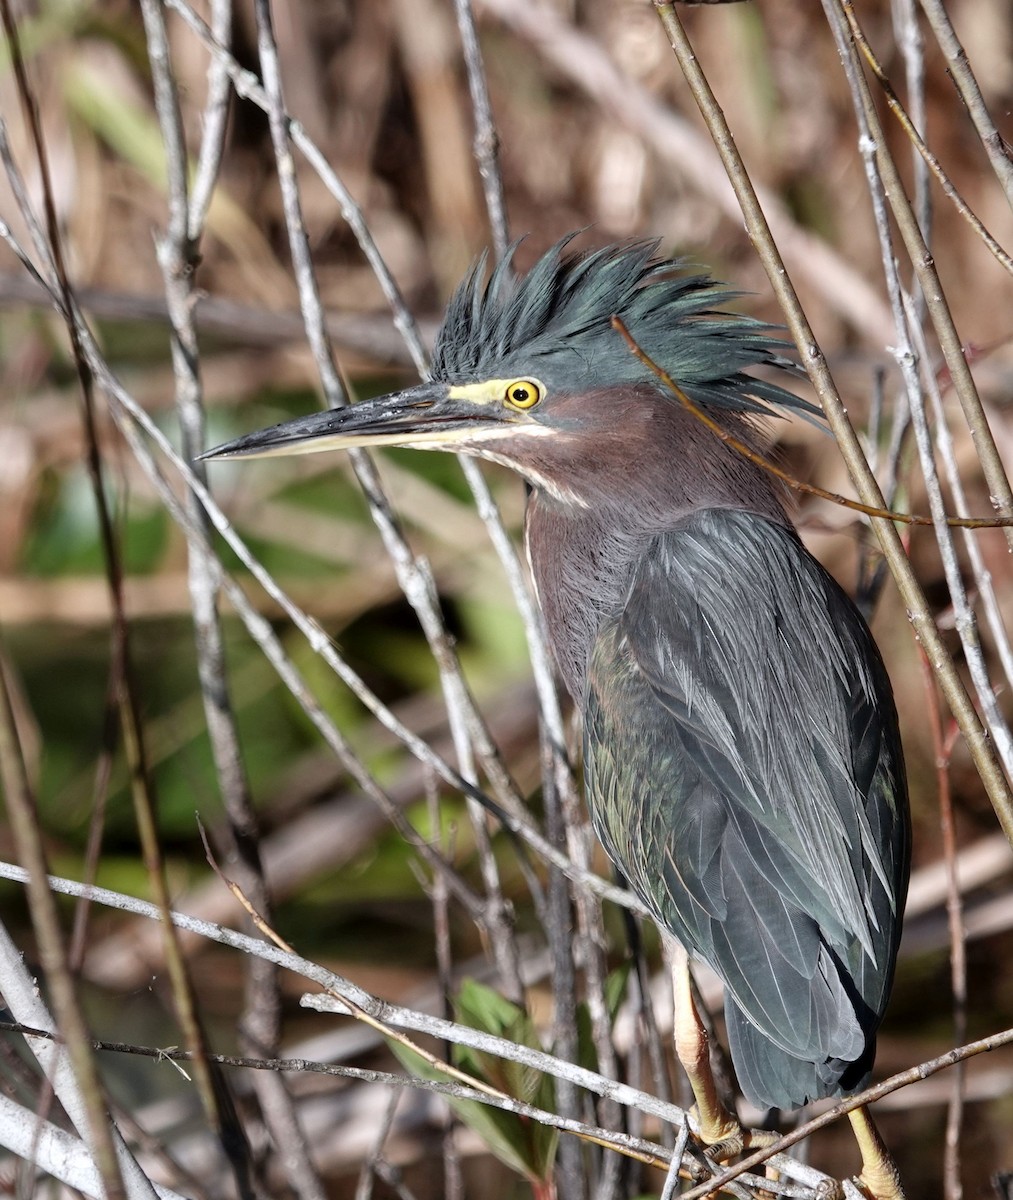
(521,394)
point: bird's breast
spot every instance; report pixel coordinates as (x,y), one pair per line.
(581,564)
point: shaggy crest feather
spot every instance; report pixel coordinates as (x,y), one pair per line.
(554,323)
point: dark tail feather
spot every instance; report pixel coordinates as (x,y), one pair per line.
(770,1078)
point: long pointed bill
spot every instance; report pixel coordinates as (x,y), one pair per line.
(429,416)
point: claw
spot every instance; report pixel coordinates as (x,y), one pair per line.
(736,1141)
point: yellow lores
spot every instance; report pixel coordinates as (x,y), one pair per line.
(521,394)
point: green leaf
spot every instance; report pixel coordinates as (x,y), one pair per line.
(525,1146)
(483,1008)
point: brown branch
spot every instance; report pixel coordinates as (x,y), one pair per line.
(810,489)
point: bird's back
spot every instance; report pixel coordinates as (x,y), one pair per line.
(743,769)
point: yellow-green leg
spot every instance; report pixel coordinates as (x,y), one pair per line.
(879,1179)
(716,1126)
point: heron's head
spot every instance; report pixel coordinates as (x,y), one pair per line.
(529,371)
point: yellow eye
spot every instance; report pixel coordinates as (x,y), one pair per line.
(523,393)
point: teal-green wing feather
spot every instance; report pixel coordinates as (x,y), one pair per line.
(774,839)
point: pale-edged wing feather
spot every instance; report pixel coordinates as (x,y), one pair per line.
(743,769)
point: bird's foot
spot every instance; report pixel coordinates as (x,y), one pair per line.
(879,1185)
(726,1137)
(880,1179)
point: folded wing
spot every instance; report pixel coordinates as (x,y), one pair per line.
(743,769)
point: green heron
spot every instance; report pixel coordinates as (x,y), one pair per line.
(742,759)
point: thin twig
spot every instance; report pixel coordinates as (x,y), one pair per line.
(640,1148)
(453,1182)
(384,1015)
(925,159)
(27,833)
(965,620)
(414,576)
(908,36)
(178,253)
(214,126)
(74,1077)
(907,326)
(983,582)
(371,1164)
(960,72)
(952,1187)
(48,244)
(1000,491)
(792,481)
(486,146)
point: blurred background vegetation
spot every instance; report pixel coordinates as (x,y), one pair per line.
(597,130)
